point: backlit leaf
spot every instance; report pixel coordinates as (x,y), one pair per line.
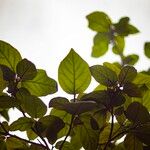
(22,124)
(41,85)
(3,145)
(131,59)
(74,74)
(143,133)
(137,113)
(87,136)
(103,75)
(7,102)
(49,126)
(104,135)
(8,74)
(99,21)
(101,42)
(2,82)
(132,90)
(147,49)
(31,104)
(13,143)
(112,67)
(31,134)
(123,28)
(131,142)
(119,45)
(26,70)
(9,56)
(127,74)
(142,79)
(66,145)
(66,117)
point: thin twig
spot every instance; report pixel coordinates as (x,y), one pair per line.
(44,141)
(68,133)
(6,133)
(70,127)
(111,129)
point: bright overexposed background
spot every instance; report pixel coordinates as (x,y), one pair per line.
(45,30)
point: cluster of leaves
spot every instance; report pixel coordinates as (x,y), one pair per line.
(118,108)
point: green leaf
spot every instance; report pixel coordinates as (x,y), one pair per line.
(105,99)
(8,74)
(36,147)
(143,133)
(104,135)
(5,125)
(3,145)
(100,87)
(142,79)
(116,98)
(100,47)
(137,113)
(22,124)
(13,143)
(103,75)
(66,146)
(9,56)
(41,85)
(123,28)
(66,117)
(31,104)
(131,59)
(26,70)
(74,108)
(75,141)
(127,74)
(74,74)
(49,126)
(147,49)
(119,44)
(99,21)
(120,116)
(88,137)
(132,90)
(31,134)
(131,142)
(7,102)
(132,29)
(4,114)
(100,97)
(112,67)
(2,82)
(119,146)
(94,124)
(145,100)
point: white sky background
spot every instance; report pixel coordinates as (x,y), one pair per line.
(45,30)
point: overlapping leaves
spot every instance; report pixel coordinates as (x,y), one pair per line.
(110,33)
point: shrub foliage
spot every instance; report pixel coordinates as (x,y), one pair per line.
(118,108)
